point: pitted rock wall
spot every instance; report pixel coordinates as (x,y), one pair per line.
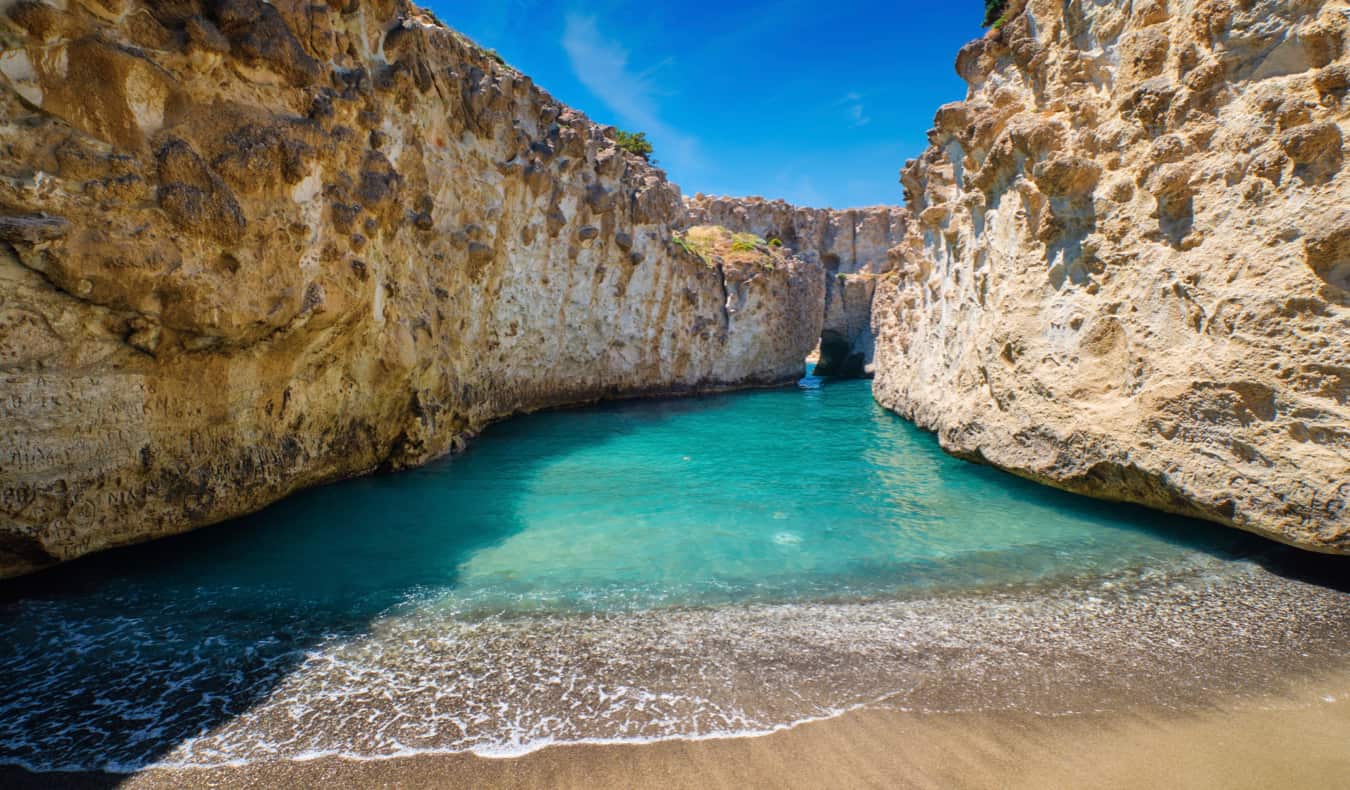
(1130,271)
(249,247)
(853,246)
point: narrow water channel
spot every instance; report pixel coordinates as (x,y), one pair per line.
(643,570)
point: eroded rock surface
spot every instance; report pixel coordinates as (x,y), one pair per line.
(853,245)
(248,247)
(1130,270)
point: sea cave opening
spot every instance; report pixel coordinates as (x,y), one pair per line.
(837,357)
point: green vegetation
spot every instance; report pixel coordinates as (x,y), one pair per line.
(492,53)
(746,242)
(683,242)
(993,13)
(714,245)
(775,242)
(634,143)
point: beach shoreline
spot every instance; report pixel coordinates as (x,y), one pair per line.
(1181,681)
(1299,739)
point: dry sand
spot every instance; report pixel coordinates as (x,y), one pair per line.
(1301,742)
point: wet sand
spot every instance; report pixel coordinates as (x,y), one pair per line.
(1303,741)
(1220,682)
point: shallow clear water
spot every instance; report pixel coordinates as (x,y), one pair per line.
(635,570)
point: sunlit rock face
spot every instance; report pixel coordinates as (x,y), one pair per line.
(854,247)
(248,247)
(1129,274)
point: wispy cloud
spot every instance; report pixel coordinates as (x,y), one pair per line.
(854,109)
(602,65)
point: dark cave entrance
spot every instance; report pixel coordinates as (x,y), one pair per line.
(838,359)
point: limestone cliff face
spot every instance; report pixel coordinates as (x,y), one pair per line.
(248,247)
(1130,274)
(854,246)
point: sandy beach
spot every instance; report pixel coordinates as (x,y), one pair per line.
(1298,740)
(1241,681)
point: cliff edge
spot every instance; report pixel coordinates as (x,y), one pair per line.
(854,247)
(247,247)
(1130,271)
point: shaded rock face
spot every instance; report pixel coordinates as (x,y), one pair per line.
(249,247)
(854,246)
(1128,277)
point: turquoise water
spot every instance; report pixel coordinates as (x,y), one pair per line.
(622,571)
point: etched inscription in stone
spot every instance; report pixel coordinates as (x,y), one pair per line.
(69,426)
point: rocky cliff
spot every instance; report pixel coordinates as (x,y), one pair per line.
(853,245)
(1130,270)
(247,247)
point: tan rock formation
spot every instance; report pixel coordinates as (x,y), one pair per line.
(247,247)
(1131,271)
(853,245)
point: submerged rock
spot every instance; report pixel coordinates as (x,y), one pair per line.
(1131,277)
(250,247)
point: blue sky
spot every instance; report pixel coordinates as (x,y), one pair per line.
(815,102)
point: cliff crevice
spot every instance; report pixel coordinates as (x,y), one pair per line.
(854,246)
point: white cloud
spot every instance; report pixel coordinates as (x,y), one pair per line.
(854,109)
(602,66)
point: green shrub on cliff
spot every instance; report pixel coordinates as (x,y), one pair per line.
(993,13)
(715,245)
(690,246)
(634,143)
(746,242)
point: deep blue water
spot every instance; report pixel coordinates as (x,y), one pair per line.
(636,513)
